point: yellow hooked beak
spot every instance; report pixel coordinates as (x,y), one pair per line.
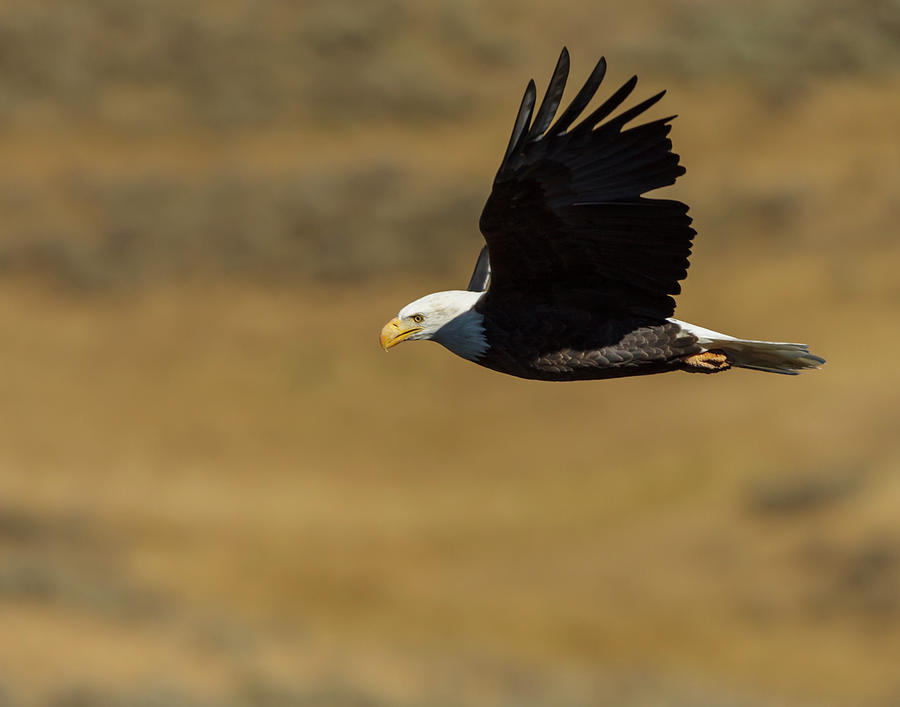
(396,331)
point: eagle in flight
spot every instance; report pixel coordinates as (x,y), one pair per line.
(577,277)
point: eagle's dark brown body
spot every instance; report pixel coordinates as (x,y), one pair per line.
(539,340)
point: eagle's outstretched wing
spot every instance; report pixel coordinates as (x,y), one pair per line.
(566,211)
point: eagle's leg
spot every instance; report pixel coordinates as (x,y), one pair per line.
(706,362)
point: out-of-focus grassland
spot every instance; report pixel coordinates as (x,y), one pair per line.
(214,488)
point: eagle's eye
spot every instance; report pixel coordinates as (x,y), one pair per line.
(418,318)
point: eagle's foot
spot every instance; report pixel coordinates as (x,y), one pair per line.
(706,362)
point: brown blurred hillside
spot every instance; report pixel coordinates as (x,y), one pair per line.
(216,490)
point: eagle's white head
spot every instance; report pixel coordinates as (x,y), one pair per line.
(446,317)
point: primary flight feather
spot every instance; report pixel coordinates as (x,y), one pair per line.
(577,277)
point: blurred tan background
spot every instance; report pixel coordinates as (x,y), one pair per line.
(216,490)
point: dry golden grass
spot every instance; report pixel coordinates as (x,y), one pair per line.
(222,484)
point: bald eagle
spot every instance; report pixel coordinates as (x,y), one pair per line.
(576,278)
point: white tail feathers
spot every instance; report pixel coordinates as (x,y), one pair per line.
(770,356)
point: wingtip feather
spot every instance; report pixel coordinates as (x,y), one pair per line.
(552,98)
(581,100)
(523,121)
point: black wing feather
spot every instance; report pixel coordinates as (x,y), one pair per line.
(551,98)
(608,106)
(567,211)
(620,120)
(481,275)
(523,119)
(584,96)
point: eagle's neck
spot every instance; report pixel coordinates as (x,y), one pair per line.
(464,333)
